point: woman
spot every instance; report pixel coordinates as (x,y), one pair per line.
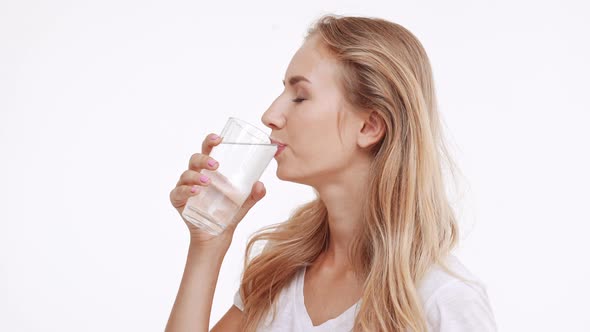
(359,124)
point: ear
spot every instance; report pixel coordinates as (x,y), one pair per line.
(372,131)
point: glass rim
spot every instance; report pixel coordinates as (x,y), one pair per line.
(251,126)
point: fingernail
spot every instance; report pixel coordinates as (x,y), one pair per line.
(212,163)
(194,189)
(214,137)
(204,178)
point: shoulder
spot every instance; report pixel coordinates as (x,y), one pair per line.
(285,297)
(452,304)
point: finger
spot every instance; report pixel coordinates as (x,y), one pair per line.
(190,177)
(201,161)
(257,193)
(210,141)
(180,194)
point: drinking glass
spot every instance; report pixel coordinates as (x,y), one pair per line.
(243,154)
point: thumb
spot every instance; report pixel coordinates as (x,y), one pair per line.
(257,193)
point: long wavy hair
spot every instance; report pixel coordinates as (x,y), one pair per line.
(409,224)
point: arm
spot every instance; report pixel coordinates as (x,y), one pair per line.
(192,308)
(230,322)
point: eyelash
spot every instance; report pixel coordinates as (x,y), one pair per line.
(297,100)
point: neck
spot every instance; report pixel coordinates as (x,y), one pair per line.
(343,196)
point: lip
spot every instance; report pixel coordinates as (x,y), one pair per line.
(281,146)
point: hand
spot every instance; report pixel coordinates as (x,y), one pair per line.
(192,179)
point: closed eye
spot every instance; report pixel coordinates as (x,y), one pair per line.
(298,100)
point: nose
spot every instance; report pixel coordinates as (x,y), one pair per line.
(274,117)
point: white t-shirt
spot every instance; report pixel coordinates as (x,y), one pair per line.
(451,305)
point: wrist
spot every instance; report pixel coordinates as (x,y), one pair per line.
(218,244)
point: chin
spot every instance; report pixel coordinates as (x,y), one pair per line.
(281,174)
(285,175)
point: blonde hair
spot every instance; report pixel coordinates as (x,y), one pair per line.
(409,224)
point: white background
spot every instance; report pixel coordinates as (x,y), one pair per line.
(102,104)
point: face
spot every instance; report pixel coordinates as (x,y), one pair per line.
(313,120)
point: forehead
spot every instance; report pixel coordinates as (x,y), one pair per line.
(313,61)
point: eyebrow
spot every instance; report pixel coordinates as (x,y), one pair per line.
(296,79)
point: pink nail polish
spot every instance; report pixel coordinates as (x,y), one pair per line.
(212,163)
(204,178)
(194,189)
(214,137)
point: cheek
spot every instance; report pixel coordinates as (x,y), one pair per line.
(315,142)
(313,163)
(318,139)
(324,154)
